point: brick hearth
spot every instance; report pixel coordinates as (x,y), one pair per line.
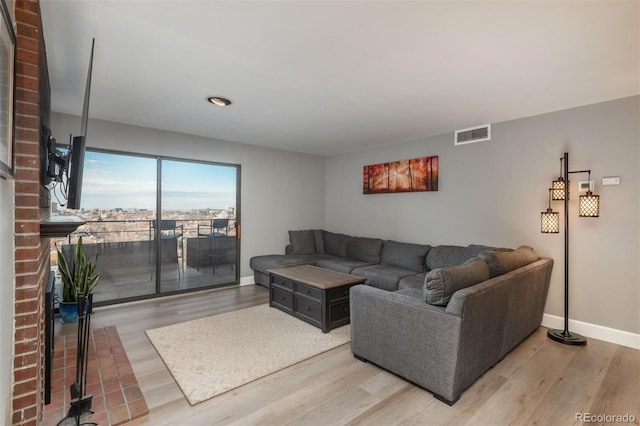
(117,398)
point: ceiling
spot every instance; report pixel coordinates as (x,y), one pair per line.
(331,77)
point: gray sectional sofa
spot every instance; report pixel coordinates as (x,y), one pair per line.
(438,316)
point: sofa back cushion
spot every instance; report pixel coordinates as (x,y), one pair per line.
(336,244)
(302,242)
(405,255)
(318,234)
(364,249)
(501,262)
(445,256)
(441,283)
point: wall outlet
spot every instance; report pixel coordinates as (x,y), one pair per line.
(613,180)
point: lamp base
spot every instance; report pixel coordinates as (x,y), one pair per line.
(567,337)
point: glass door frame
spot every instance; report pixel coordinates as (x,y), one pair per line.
(157,240)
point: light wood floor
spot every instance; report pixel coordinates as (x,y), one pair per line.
(540,382)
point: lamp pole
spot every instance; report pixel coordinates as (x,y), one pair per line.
(565,336)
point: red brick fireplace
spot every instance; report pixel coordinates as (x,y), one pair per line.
(31,205)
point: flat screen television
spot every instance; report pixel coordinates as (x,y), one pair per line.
(75,170)
(75,162)
(65,165)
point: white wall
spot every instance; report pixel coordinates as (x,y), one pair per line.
(281,190)
(7,294)
(493,192)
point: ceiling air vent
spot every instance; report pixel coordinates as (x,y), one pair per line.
(474,134)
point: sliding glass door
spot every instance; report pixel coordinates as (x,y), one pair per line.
(119,198)
(198,244)
(157,225)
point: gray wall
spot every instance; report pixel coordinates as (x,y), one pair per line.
(493,192)
(489,192)
(281,190)
(7,296)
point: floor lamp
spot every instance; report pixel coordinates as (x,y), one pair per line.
(589,206)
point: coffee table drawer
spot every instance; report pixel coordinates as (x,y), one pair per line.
(339,292)
(309,308)
(339,312)
(282,282)
(282,298)
(309,291)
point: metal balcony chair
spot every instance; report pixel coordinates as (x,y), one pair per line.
(170,230)
(217,228)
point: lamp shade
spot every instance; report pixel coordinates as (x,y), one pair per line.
(549,222)
(589,205)
(558,189)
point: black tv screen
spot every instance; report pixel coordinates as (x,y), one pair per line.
(75,169)
(75,165)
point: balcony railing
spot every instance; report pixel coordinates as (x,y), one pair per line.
(129,264)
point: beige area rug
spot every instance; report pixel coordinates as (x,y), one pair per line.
(213,355)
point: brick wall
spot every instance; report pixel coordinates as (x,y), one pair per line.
(31,204)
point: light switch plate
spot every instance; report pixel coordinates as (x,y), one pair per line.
(585,186)
(612,180)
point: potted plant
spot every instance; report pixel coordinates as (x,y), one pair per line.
(79,276)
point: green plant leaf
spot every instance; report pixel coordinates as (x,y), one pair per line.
(81,278)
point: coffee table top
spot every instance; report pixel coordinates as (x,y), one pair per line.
(316,277)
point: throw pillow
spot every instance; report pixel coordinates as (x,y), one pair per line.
(441,283)
(302,242)
(501,262)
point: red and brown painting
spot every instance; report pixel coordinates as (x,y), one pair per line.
(417,174)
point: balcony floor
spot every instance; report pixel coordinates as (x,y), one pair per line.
(136,282)
(128,268)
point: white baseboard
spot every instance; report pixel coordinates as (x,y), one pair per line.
(247,280)
(594,331)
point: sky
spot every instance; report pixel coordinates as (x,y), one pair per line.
(125,181)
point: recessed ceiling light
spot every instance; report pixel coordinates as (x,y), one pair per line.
(219,101)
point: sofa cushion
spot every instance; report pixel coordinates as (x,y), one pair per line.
(445,256)
(302,242)
(413,281)
(318,235)
(441,283)
(501,262)
(336,244)
(416,293)
(270,261)
(341,264)
(382,276)
(405,255)
(365,249)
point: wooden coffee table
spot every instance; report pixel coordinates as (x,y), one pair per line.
(315,295)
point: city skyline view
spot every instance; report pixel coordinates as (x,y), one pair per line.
(116,181)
